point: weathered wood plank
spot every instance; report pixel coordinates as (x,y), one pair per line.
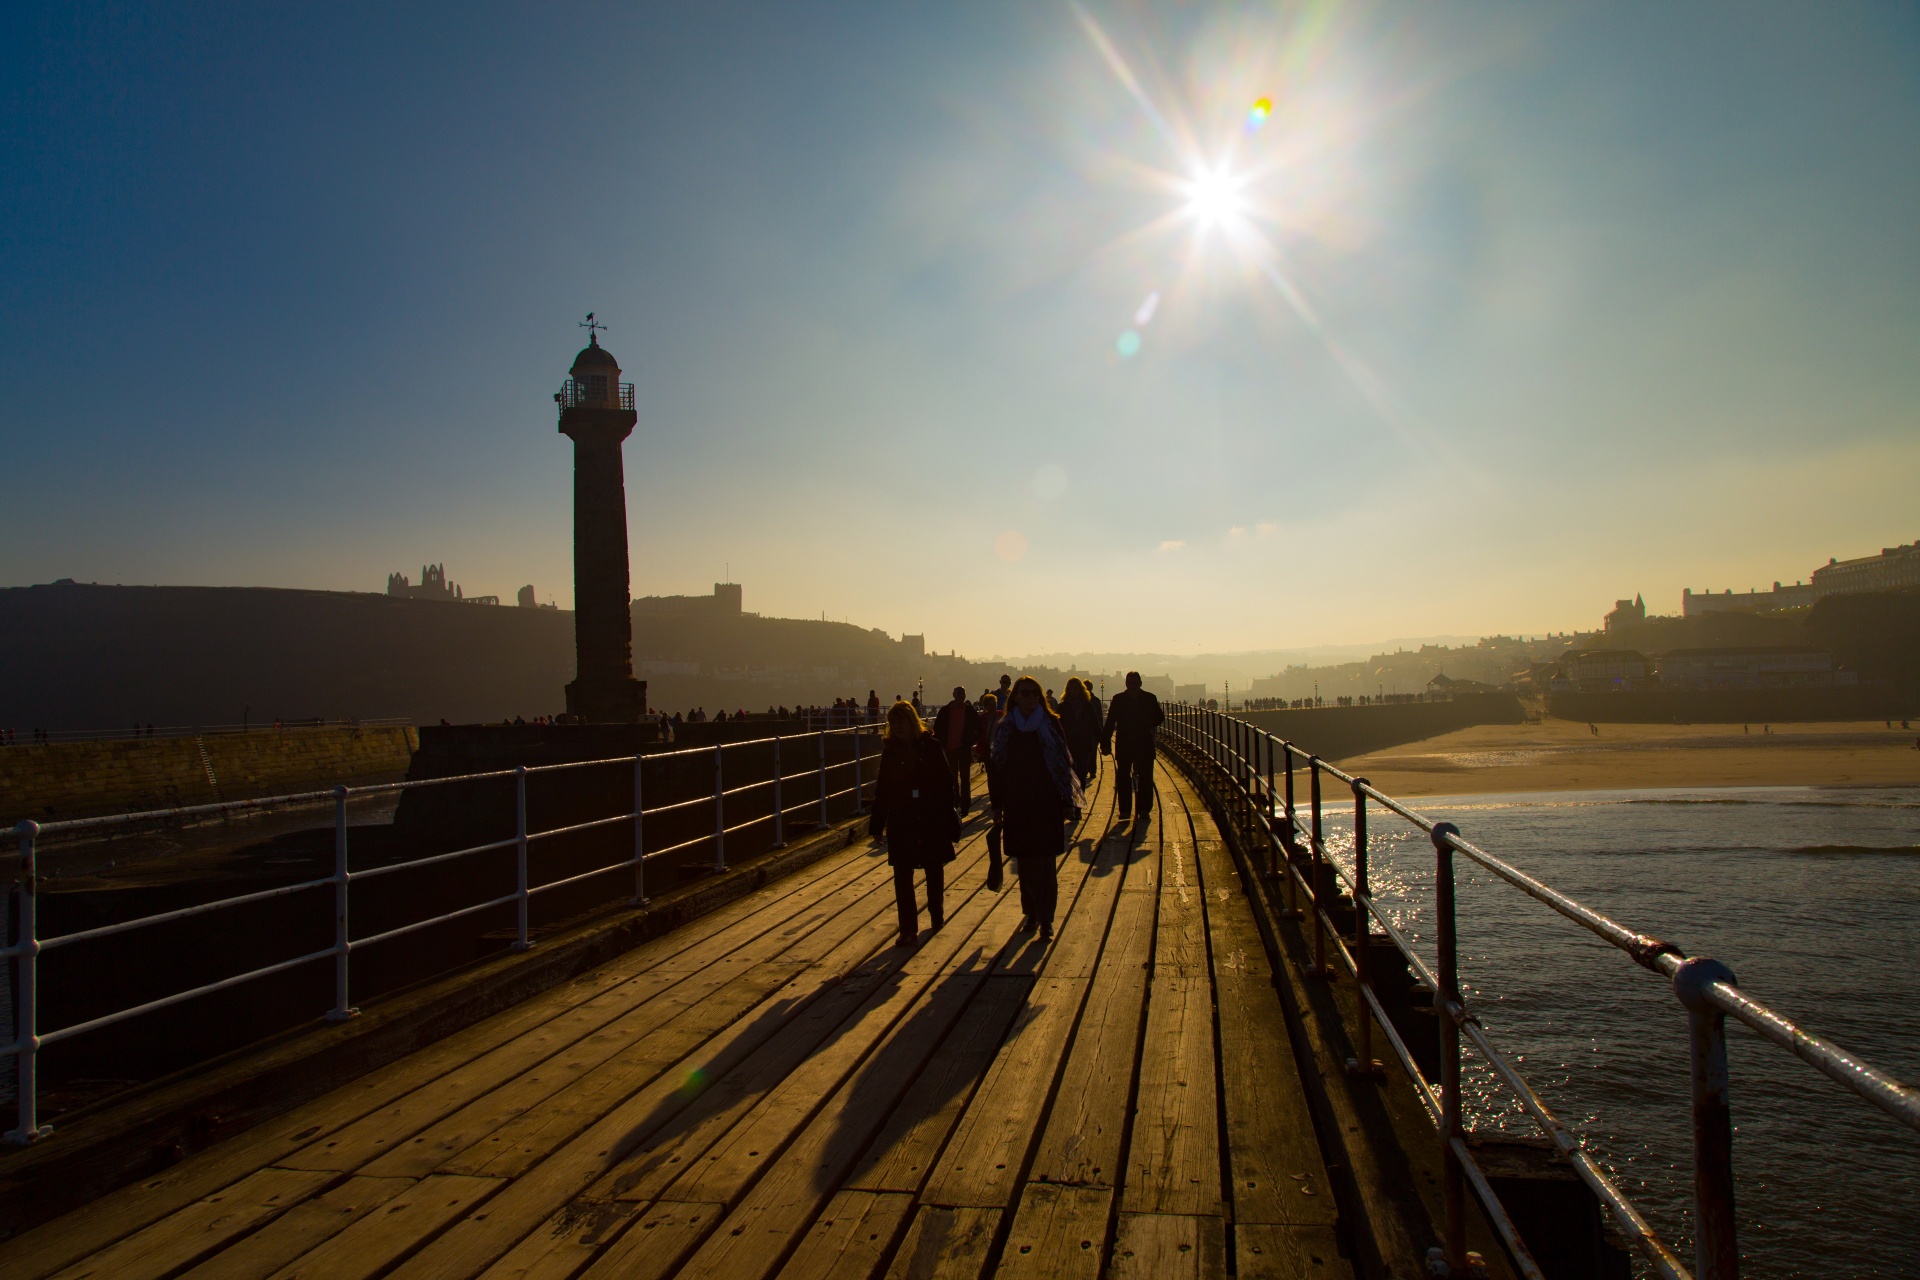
(945,1243)
(379,1240)
(1162,1246)
(1265,1252)
(656,1244)
(1057,1232)
(851,1237)
(567,1242)
(299,1229)
(202,1228)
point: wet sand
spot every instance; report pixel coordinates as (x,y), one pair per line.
(1563,755)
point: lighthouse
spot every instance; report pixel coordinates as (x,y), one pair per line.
(597,414)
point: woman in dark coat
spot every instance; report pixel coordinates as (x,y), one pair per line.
(1081,723)
(915,809)
(1034,788)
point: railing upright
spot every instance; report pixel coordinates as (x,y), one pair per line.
(26,1044)
(1320,968)
(1362,931)
(520,941)
(859,787)
(1449,1007)
(1716,1247)
(639,840)
(823,779)
(719,815)
(1293,881)
(779,810)
(1273,827)
(342,1006)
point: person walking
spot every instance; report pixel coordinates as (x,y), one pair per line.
(1131,719)
(913,811)
(956,729)
(1081,723)
(1035,789)
(989,719)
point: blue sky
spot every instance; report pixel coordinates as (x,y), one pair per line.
(1510,309)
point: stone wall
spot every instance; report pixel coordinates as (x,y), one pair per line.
(1335,733)
(84,779)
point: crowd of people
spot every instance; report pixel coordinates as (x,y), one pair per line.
(1040,754)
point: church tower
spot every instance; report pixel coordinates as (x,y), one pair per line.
(597,414)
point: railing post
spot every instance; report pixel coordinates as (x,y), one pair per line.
(1273,825)
(1362,932)
(520,942)
(1293,878)
(779,811)
(823,780)
(1447,1003)
(1319,927)
(719,815)
(639,840)
(1716,1248)
(342,1010)
(27,1128)
(859,787)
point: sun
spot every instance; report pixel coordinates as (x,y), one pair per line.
(1213,196)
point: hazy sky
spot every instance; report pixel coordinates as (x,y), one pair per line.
(1503,311)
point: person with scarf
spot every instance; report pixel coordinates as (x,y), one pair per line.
(1081,723)
(914,812)
(1035,790)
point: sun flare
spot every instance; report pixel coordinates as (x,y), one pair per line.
(1213,197)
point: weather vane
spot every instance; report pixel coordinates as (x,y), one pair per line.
(593,328)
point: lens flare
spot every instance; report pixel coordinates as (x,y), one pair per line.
(1213,196)
(1144,316)
(1127,344)
(1262,110)
(1010,546)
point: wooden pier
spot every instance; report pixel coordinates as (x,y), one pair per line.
(776,1089)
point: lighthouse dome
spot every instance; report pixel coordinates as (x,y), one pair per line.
(594,358)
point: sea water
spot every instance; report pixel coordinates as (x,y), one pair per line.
(1810,895)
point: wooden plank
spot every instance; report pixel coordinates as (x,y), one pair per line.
(1057,1231)
(851,1238)
(1161,1246)
(945,1243)
(53,1245)
(1082,1141)
(300,1229)
(567,1242)
(379,1240)
(1264,1252)
(654,1246)
(899,1157)
(488,1082)
(202,1228)
(778,1207)
(1277,1173)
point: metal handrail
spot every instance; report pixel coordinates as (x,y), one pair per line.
(25,951)
(1706,988)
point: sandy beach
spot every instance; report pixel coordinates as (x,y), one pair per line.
(1561,755)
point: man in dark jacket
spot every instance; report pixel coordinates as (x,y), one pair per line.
(956,728)
(1132,717)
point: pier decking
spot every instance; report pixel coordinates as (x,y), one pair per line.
(777,1090)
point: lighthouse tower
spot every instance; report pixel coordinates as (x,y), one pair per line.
(597,414)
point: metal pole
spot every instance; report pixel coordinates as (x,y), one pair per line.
(1293,881)
(1319,930)
(1446,1001)
(1273,831)
(639,841)
(719,816)
(859,787)
(1362,930)
(520,942)
(1716,1248)
(341,1010)
(823,779)
(779,811)
(28,1128)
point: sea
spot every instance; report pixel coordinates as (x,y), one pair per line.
(1811,895)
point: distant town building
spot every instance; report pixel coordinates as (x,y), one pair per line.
(1198,692)
(1894,569)
(724,602)
(1752,667)
(1604,669)
(1626,613)
(526,600)
(914,646)
(433,586)
(1795,596)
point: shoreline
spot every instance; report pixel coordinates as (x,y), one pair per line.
(1562,756)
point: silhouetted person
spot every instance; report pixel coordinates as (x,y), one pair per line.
(1132,718)
(990,717)
(1005,693)
(913,810)
(956,729)
(1035,789)
(873,705)
(1081,723)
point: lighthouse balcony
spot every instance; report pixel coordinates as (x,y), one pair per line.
(593,393)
